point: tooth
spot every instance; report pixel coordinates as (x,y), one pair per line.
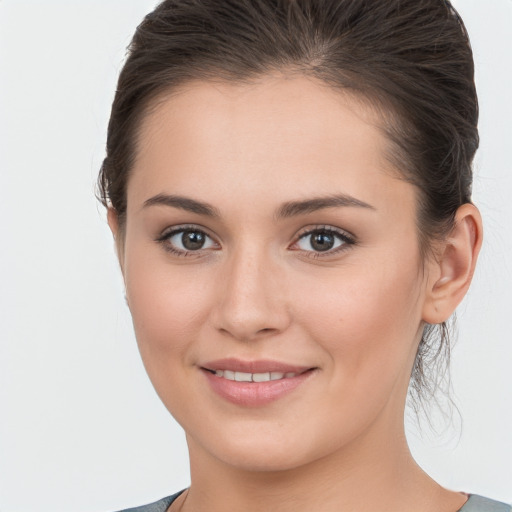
(260,377)
(243,377)
(253,377)
(228,374)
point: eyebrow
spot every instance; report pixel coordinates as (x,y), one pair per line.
(288,209)
(293,208)
(183,203)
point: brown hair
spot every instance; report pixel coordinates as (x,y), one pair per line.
(410,59)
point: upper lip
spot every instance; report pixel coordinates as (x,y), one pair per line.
(260,366)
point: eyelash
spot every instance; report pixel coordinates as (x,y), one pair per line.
(346,239)
(165,237)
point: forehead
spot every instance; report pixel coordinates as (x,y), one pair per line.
(275,136)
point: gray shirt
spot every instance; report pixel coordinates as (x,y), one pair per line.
(475,503)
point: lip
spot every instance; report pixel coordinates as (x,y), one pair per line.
(259,366)
(255,394)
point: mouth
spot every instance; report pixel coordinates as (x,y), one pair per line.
(262,370)
(255,383)
(255,377)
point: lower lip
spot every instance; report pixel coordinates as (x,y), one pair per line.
(255,394)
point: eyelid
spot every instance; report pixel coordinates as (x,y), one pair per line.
(164,237)
(348,240)
(343,233)
(170,230)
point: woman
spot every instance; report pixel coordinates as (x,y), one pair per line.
(289,187)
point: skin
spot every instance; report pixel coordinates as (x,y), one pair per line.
(259,290)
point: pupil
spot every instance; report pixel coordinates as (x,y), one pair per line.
(322,242)
(192,240)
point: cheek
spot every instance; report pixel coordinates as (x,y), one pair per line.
(167,303)
(168,308)
(366,318)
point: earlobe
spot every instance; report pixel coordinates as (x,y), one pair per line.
(453,270)
(113,222)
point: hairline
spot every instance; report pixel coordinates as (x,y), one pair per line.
(384,115)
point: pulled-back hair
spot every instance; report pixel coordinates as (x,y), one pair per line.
(409,59)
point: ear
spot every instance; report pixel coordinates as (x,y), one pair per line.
(451,273)
(113,222)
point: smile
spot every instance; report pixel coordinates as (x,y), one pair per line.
(254,383)
(253,377)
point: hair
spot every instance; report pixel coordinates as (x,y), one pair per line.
(411,60)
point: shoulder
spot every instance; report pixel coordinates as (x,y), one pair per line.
(475,503)
(158,506)
(478,503)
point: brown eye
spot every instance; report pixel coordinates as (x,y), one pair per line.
(324,241)
(193,240)
(187,240)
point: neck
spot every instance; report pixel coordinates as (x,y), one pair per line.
(366,475)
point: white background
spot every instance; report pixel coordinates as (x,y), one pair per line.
(80,426)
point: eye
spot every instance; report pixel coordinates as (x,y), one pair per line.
(185,240)
(323,240)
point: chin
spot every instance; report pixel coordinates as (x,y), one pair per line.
(263,460)
(261,453)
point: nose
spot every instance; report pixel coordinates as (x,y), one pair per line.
(252,303)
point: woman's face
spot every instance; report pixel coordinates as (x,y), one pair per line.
(267,235)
